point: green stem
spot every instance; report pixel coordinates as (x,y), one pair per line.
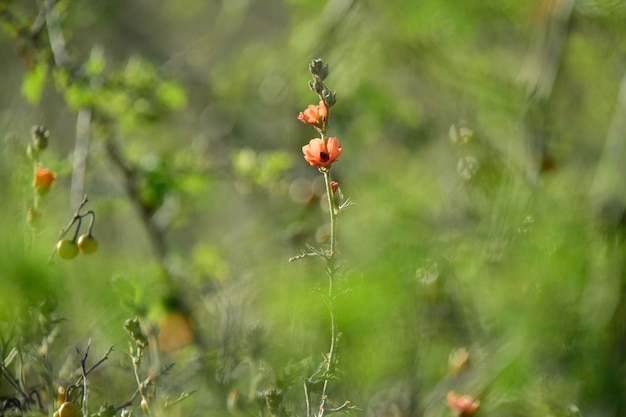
(330,271)
(141,386)
(49,382)
(330,258)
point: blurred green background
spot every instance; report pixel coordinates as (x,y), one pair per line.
(483,143)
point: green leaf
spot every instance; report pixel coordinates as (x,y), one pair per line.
(34,82)
(78,95)
(172,95)
(96,62)
(209,260)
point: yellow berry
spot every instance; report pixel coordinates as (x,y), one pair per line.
(87,244)
(69,409)
(67,249)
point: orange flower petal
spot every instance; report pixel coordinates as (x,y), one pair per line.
(334,148)
(314,151)
(314,114)
(43,179)
(322,111)
(463,404)
(322,153)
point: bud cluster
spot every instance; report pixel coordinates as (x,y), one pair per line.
(323,151)
(43,178)
(319,71)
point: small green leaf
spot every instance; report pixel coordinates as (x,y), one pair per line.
(78,95)
(34,82)
(209,260)
(96,62)
(172,95)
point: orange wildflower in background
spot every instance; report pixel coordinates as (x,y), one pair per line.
(322,152)
(463,405)
(175,332)
(314,114)
(43,179)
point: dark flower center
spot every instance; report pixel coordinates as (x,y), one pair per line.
(324,156)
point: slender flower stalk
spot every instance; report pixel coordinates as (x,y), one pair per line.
(333,218)
(322,152)
(330,271)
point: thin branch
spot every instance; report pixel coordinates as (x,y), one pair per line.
(83,369)
(85,372)
(38,25)
(146,382)
(57,40)
(12,381)
(75,218)
(104,358)
(93,367)
(183,396)
(306,399)
(156,235)
(81,151)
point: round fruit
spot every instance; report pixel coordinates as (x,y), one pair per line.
(87,244)
(67,249)
(69,409)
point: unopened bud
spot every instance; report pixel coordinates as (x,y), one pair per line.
(40,137)
(44,178)
(329,97)
(317,86)
(318,69)
(133,327)
(458,360)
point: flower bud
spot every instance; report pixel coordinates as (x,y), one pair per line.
(328,97)
(316,86)
(40,137)
(318,69)
(43,180)
(458,360)
(462,405)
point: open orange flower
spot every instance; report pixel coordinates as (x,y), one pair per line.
(463,405)
(314,114)
(322,152)
(43,179)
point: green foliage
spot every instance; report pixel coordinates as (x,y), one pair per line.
(488,216)
(35,81)
(263,168)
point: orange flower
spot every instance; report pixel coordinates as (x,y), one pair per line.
(43,179)
(322,152)
(463,405)
(175,331)
(314,115)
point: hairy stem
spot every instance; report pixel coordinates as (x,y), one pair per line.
(330,271)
